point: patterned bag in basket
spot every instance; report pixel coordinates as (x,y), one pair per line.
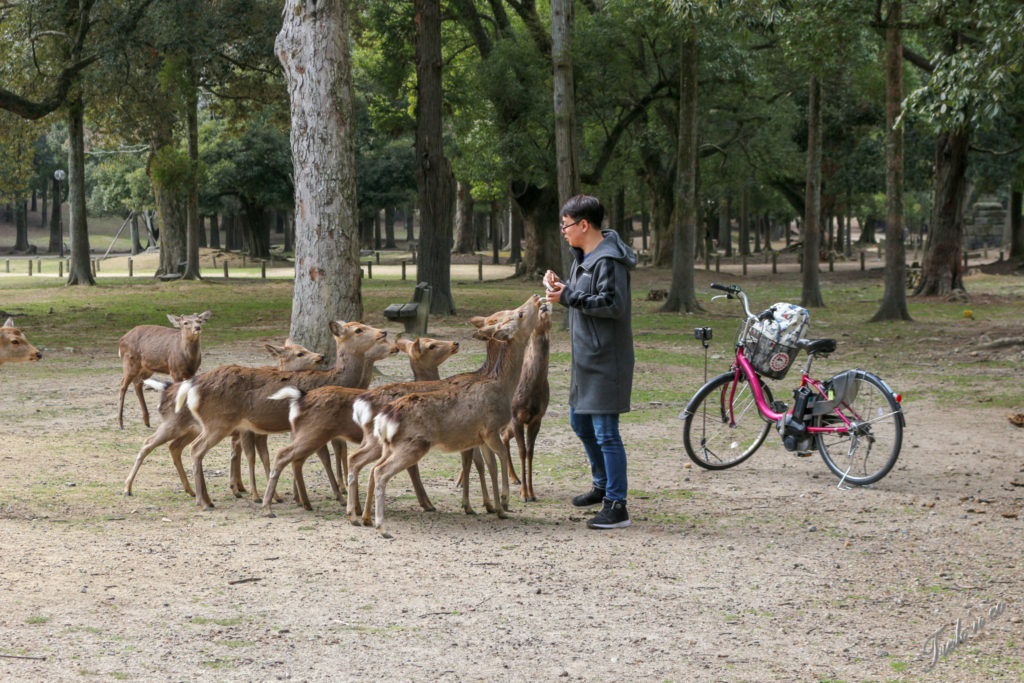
(771,344)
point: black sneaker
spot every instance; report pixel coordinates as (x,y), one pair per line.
(591,497)
(613,515)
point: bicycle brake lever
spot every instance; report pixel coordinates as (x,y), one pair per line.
(720,296)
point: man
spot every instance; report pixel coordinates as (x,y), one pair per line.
(598,301)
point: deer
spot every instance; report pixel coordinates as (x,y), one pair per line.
(369,405)
(232,397)
(148,349)
(327,412)
(14,347)
(456,418)
(529,404)
(180,429)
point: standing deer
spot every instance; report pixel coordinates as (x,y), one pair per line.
(457,418)
(181,429)
(148,349)
(372,402)
(232,397)
(14,348)
(529,404)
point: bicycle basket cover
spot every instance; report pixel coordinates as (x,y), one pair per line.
(772,342)
(841,389)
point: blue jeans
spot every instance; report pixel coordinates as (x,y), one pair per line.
(601,440)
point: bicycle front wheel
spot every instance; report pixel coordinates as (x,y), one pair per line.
(867,452)
(722,428)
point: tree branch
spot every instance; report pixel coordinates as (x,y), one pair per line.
(638,108)
(920,61)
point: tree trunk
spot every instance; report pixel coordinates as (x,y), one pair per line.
(894,297)
(21,225)
(134,232)
(192,199)
(56,220)
(942,269)
(682,295)
(313,47)
(810,294)
(434,180)
(1016,232)
(541,237)
(566,146)
(465,231)
(80,272)
(389,228)
(515,235)
(744,236)
(725,227)
(43,204)
(215,231)
(410,224)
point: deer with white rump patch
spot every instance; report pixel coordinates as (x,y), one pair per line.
(458,418)
(14,347)
(369,405)
(231,397)
(181,429)
(148,349)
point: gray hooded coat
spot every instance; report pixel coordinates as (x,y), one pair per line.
(597,297)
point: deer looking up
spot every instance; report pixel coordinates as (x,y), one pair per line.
(232,397)
(180,429)
(372,402)
(148,349)
(457,418)
(529,404)
(14,348)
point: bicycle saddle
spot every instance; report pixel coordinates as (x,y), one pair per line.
(817,345)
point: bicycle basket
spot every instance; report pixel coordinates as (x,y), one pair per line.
(770,345)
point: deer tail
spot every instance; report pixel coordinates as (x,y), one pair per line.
(290,394)
(385,426)
(157,384)
(362,412)
(183,393)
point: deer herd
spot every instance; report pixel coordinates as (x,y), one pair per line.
(390,427)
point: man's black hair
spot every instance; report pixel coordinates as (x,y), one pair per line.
(584,207)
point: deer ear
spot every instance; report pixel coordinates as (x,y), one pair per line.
(477,321)
(403,345)
(9,323)
(175,320)
(336,328)
(205,315)
(288,341)
(274,351)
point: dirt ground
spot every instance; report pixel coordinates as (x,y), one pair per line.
(763,572)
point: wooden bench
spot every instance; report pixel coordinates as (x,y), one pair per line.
(413,314)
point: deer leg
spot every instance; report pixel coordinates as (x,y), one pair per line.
(467,459)
(493,441)
(368,452)
(340,448)
(256,444)
(524,494)
(161,436)
(484,456)
(200,447)
(142,401)
(177,447)
(125,381)
(301,497)
(394,460)
(421,493)
(532,430)
(513,477)
(235,468)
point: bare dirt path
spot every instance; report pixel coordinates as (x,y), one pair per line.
(763,572)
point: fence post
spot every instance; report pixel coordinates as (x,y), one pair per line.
(39,266)
(480,268)
(30,267)
(831,262)
(225,269)
(263,269)
(744,264)
(8,265)
(707,260)
(377,254)
(800,260)
(965,259)
(775,262)
(718,263)
(60,268)
(403,269)
(131,267)
(862,260)
(369,270)
(243,261)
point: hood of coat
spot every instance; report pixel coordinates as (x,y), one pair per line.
(612,247)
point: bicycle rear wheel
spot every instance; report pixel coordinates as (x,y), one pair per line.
(711,439)
(869,450)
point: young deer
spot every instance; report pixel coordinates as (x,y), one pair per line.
(181,429)
(372,402)
(232,397)
(529,404)
(14,348)
(148,349)
(457,418)
(325,413)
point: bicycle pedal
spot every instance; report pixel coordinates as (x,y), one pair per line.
(803,454)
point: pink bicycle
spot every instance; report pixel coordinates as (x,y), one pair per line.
(853,418)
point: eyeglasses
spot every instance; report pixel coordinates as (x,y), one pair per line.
(563,228)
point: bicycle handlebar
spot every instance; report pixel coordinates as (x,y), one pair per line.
(734,292)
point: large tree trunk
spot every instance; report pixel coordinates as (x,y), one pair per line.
(566,146)
(389,228)
(541,236)
(682,295)
(21,225)
(313,49)
(942,269)
(810,294)
(894,298)
(192,200)
(465,229)
(80,272)
(434,180)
